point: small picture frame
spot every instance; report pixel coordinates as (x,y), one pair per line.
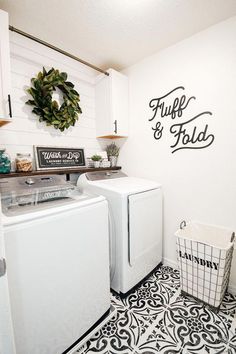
(50,157)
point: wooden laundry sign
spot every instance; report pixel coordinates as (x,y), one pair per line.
(48,157)
(192,133)
(198,260)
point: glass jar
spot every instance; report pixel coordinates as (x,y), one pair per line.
(5,162)
(24,163)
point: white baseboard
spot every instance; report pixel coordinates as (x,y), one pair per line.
(232,289)
(174,264)
(170,263)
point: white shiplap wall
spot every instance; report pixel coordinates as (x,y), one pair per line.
(27,59)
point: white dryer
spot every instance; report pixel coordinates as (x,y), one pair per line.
(135,207)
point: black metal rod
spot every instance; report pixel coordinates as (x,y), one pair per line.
(27,35)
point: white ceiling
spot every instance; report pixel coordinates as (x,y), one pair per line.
(115,33)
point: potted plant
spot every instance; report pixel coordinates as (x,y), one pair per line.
(96,159)
(112,153)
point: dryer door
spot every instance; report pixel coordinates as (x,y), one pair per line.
(145,226)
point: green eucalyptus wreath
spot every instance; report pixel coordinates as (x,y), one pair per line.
(47,109)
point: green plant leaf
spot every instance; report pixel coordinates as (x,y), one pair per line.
(69,84)
(64,76)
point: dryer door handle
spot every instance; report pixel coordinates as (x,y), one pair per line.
(112,244)
(3,267)
(129,241)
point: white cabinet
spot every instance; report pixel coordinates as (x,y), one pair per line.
(5,76)
(111,99)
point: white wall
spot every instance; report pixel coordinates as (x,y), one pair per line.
(197,184)
(27,59)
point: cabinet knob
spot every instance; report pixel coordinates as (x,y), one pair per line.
(115,123)
(30,181)
(9,104)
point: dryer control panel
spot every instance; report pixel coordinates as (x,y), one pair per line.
(100,175)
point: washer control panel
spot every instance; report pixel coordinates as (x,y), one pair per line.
(18,192)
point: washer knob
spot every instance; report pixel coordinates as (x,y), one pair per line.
(30,181)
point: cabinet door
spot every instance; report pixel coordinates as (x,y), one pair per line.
(103,106)
(111,95)
(5,109)
(119,99)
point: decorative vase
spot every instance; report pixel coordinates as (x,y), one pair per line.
(113,160)
(96,164)
(5,162)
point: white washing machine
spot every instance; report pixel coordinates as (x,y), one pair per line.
(135,207)
(54,242)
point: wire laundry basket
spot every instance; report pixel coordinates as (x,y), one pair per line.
(204,254)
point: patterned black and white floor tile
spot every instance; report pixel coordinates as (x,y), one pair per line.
(155,318)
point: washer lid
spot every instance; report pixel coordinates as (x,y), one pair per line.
(125,185)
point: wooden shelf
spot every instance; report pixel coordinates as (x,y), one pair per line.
(5,121)
(112,137)
(60,171)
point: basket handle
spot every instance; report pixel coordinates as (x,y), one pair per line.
(182,225)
